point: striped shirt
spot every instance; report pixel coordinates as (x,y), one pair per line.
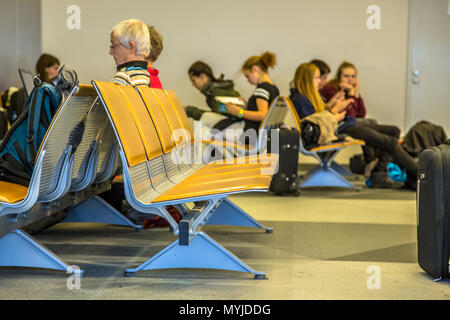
(133,73)
(265,91)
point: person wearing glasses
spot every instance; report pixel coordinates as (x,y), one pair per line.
(130,45)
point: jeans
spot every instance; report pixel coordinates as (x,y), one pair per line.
(384,141)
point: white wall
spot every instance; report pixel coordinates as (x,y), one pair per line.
(225,33)
(20,35)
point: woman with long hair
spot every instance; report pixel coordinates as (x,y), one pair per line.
(346,82)
(306,99)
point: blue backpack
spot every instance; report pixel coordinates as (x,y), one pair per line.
(21,143)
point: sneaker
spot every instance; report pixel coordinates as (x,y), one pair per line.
(381,180)
(137,217)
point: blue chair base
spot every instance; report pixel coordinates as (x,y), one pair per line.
(202,252)
(97,210)
(229,214)
(18,249)
(326,177)
(340,169)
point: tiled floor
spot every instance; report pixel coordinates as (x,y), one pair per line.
(326,244)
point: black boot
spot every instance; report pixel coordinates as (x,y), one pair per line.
(411,183)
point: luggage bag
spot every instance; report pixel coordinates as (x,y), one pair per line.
(433,211)
(285,180)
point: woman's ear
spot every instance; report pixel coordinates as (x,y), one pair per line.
(132,47)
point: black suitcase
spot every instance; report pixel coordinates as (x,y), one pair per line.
(433,211)
(284,181)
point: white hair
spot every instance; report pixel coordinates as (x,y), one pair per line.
(136,31)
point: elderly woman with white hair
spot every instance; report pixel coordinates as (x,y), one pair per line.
(130,45)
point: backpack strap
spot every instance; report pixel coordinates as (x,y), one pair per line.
(22,156)
(40,114)
(33,122)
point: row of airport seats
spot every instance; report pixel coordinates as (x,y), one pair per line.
(132,129)
(328,173)
(146,133)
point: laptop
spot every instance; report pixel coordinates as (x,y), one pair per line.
(27,78)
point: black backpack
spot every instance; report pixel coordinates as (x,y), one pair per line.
(4,123)
(17,105)
(423,135)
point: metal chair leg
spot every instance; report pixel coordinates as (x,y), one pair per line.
(202,252)
(228,213)
(97,210)
(18,249)
(327,178)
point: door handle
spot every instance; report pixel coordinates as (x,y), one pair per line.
(415,78)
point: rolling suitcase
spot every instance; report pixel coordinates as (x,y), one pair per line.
(433,211)
(284,181)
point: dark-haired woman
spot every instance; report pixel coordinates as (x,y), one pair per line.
(47,67)
(203,79)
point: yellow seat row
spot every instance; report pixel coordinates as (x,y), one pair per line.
(145,119)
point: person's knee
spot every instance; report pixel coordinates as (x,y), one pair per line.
(391,144)
(396,132)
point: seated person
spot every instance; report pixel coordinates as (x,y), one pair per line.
(47,67)
(306,99)
(346,83)
(324,69)
(255,69)
(156,42)
(130,45)
(203,79)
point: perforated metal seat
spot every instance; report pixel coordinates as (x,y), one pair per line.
(50,181)
(328,173)
(153,175)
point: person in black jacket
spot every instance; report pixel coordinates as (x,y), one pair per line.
(203,79)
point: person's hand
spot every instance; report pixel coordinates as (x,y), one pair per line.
(340,116)
(356,88)
(347,87)
(243,101)
(340,106)
(340,95)
(233,109)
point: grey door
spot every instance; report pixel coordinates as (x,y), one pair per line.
(428,78)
